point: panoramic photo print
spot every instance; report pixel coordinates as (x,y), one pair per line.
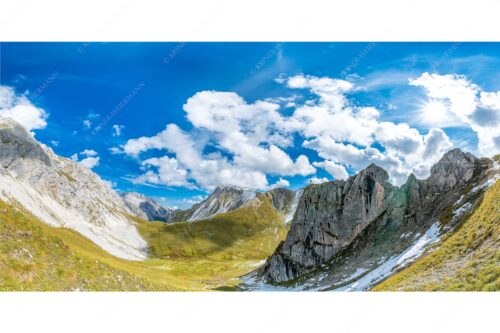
(279,166)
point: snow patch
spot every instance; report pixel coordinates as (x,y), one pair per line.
(390,266)
(486,184)
(293,206)
(460,211)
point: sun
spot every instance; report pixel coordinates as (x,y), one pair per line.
(434,112)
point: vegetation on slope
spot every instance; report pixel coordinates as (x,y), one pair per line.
(211,253)
(32,257)
(200,255)
(465,260)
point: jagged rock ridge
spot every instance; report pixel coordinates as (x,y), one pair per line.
(146,208)
(344,228)
(285,201)
(223,199)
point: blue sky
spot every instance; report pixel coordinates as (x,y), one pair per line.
(98,96)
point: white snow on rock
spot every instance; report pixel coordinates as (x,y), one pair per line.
(460,211)
(492,180)
(486,184)
(394,263)
(293,206)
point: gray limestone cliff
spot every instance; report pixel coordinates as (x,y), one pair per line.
(342,227)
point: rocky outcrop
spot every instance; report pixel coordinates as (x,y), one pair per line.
(328,217)
(63,193)
(222,200)
(455,169)
(285,201)
(146,208)
(343,227)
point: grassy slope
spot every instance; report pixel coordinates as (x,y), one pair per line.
(465,260)
(213,253)
(186,256)
(33,256)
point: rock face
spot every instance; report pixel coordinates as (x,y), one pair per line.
(63,193)
(343,227)
(223,199)
(285,201)
(328,217)
(146,208)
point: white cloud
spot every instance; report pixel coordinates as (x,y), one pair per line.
(455,100)
(115,151)
(89,152)
(343,133)
(20,108)
(117,130)
(87,123)
(331,91)
(169,173)
(280,183)
(400,138)
(456,90)
(316,180)
(336,170)
(90,160)
(247,137)
(244,143)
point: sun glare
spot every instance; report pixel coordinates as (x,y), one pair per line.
(434,112)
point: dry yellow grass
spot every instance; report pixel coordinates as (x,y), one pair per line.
(203,255)
(468,259)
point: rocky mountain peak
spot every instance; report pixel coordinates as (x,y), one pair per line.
(285,201)
(352,225)
(221,200)
(146,208)
(63,193)
(17,143)
(454,168)
(377,173)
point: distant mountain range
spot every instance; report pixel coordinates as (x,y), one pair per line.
(147,208)
(340,235)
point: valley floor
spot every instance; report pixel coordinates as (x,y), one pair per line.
(35,256)
(213,254)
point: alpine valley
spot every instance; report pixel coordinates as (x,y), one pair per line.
(63,228)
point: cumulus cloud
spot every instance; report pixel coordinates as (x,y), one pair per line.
(336,170)
(90,158)
(245,143)
(460,102)
(248,141)
(89,152)
(280,183)
(20,108)
(316,180)
(169,173)
(344,133)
